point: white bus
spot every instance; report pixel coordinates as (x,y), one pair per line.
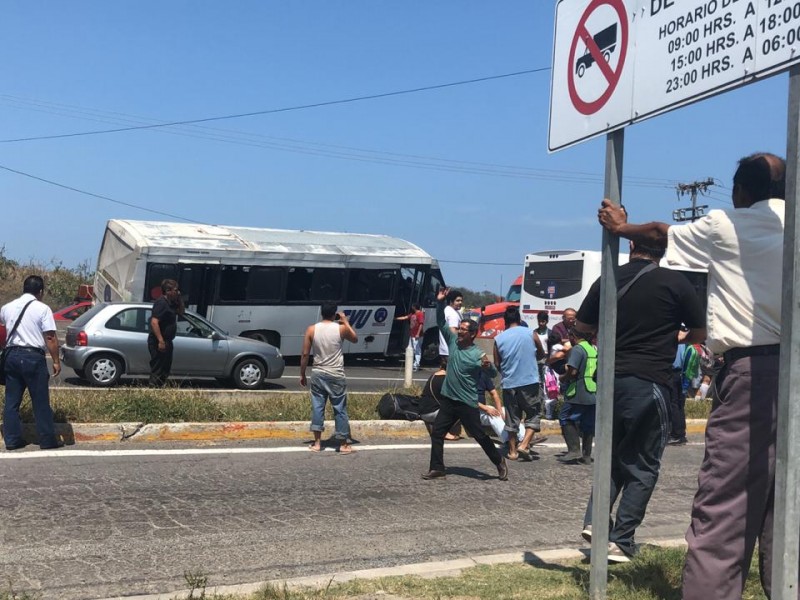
(269,284)
(555,280)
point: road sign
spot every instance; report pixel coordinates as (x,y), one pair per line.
(598,50)
(685,50)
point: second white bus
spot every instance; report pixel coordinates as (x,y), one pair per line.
(555,280)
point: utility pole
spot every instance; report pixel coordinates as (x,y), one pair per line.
(695,212)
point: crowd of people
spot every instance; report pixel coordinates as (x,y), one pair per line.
(664,349)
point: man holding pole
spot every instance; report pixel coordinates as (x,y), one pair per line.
(743,252)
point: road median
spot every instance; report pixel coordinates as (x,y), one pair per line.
(138,432)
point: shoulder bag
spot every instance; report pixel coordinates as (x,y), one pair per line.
(6,347)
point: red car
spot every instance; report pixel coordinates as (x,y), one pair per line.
(68,313)
(73,311)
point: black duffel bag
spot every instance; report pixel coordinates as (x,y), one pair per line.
(399,407)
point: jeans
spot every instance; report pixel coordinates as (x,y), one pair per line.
(416,346)
(28,369)
(641,426)
(582,414)
(326,387)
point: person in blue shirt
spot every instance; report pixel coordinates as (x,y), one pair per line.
(515,355)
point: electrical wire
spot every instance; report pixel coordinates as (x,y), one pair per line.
(100,196)
(337,151)
(280,110)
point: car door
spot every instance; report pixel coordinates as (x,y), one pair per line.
(196,352)
(126,331)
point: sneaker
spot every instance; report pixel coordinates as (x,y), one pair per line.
(678,441)
(434,475)
(616,554)
(587,533)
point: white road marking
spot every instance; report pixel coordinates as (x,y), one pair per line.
(64,453)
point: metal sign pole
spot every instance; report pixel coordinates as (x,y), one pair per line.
(786,528)
(601,478)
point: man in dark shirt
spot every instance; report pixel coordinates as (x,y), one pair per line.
(163,326)
(649,315)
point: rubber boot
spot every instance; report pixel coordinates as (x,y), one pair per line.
(572,436)
(586,448)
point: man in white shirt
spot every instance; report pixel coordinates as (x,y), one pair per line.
(26,366)
(743,252)
(452,314)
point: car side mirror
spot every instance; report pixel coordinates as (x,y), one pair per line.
(217,336)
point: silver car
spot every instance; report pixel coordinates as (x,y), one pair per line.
(110,340)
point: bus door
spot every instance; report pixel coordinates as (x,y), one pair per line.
(198,283)
(409,291)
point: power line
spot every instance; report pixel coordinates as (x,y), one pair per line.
(280,110)
(342,152)
(100,196)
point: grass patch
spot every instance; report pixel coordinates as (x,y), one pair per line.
(654,575)
(173,406)
(168,405)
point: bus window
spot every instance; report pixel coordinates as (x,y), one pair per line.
(370,285)
(233,284)
(552,280)
(411,282)
(156,273)
(435,282)
(265,284)
(298,284)
(327,285)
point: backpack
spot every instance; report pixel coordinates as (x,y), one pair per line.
(551,384)
(398,407)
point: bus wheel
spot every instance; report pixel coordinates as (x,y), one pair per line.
(249,374)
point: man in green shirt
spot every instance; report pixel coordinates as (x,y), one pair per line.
(459,399)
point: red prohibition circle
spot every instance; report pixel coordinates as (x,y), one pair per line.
(612,76)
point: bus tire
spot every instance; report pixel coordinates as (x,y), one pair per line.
(103,370)
(249,374)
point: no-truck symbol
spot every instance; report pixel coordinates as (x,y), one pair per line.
(609,38)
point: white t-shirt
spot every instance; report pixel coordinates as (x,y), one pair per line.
(453,318)
(37,319)
(743,251)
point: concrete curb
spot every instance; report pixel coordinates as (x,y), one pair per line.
(269,430)
(442,568)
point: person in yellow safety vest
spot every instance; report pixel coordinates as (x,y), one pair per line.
(577,415)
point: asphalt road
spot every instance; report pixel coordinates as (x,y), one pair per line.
(82,527)
(362,376)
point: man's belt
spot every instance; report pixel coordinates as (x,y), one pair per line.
(28,349)
(737,353)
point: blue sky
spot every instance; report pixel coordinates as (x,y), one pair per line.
(90,65)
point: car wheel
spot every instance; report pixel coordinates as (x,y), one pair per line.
(80,373)
(103,370)
(581,70)
(249,374)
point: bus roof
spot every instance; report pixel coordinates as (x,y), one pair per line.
(162,238)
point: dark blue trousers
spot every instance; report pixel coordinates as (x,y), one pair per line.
(641,427)
(27,369)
